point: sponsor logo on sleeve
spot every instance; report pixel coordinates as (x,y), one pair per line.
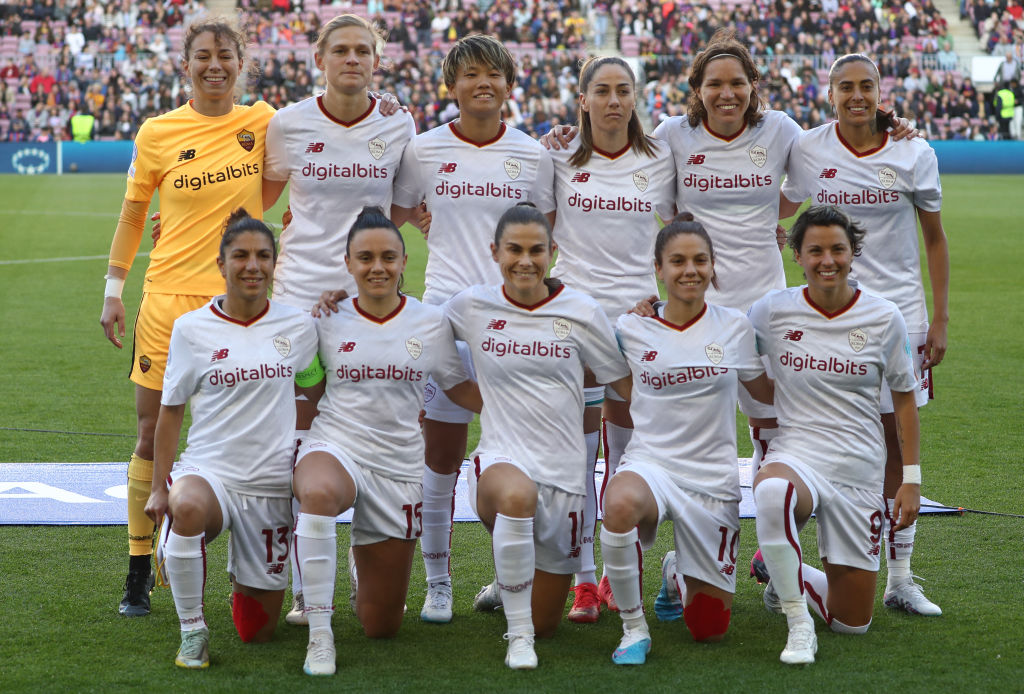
(246,139)
(283,345)
(715,353)
(377,147)
(513,168)
(641,180)
(858,338)
(758,155)
(562,328)
(414,347)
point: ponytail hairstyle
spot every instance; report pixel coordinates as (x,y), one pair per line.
(239,222)
(639,141)
(373,217)
(522,213)
(683,223)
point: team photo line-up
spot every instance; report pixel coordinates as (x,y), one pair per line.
(342,392)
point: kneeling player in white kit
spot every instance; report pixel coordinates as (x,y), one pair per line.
(235,361)
(529,342)
(832,346)
(364,448)
(680,464)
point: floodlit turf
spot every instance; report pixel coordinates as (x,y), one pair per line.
(59,586)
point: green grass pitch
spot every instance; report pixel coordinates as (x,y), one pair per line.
(59,586)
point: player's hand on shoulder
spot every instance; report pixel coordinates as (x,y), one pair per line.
(559,137)
(389,103)
(645,307)
(328,303)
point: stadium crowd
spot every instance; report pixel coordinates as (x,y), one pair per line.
(107,66)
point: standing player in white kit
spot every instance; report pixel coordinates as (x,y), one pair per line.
(886,187)
(469,171)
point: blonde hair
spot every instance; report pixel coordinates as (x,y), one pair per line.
(349,20)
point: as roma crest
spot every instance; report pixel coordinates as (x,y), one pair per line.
(414,347)
(513,168)
(858,338)
(758,155)
(377,147)
(887,177)
(246,139)
(145,363)
(283,345)
(641,180)
(562,328)
(715,353)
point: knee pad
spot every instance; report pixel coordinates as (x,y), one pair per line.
(248,615)
(706,617)
(841,628)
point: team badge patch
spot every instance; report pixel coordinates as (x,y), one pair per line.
(758,155)
(283,345)
(414,347)
(715,353)
(144,363)
(562,328)
(513,168)
(246,139)
(887,177)
(377,147)
(429,391)
(641,180)
(858,338)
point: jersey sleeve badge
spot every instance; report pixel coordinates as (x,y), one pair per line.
(858,338)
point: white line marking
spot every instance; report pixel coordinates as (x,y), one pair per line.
(60,260)
(61,213)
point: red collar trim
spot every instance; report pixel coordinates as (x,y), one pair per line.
(375,319)
(456,133)
(866,153)
(219,312)
(830,316)
(347,124)
(724,138)
(687,324)
(535,306)
(611,155)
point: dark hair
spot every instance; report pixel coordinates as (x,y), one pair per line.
(223,31)
(723,43)
(523,213)
(239,222)
(826,216)
(478,49)
(372,217)
(683,223)
(639,141)
(883,118)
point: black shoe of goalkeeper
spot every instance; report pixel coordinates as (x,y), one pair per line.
(137,587)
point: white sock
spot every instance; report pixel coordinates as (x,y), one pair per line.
(779,540)
(760,437)
(588,566)
(815,590)
(186,568)
(616,439)
(316,545)
(296,574)
(899,546)
(514,566)
(436,540)
(622,564)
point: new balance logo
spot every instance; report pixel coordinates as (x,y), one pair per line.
(315,148)
(347,346)
(649,355)
(273,569)
(581,177)
(496,324)
(187,154)
(695,159)
(447,168)
(793,335)
(828,173)
(574,553)
(218,355)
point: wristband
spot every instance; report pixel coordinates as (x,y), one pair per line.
(114,286)
(911,474)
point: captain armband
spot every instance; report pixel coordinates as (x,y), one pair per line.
(311,375)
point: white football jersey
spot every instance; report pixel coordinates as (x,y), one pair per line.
(731,186)
(334,169)
(376,369)
(684,395)
(468,186)
(828,371)
(239,381)
(881,190)
(606,224)
(529,365)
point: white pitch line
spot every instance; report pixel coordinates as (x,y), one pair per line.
(61,213)
(59,260)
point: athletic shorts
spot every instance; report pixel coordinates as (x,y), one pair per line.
(925,391)
(384,508)
(749,406)
(261,532)
(557,524)
(157,314)
(706,530)
(438,406)
(849,518)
